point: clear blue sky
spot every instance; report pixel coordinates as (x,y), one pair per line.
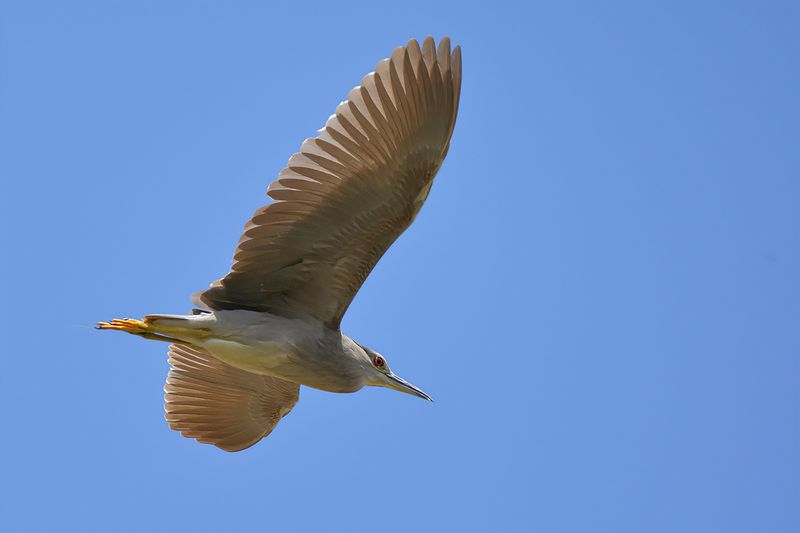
(602,292)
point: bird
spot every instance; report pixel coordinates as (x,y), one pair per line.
(272,324)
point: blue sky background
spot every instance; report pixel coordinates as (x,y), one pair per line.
(602,292)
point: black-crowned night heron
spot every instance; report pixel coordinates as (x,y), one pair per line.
(272,324)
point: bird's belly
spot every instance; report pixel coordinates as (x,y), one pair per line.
(263,357)
(278,360)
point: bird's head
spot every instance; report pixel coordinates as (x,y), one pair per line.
(380,375)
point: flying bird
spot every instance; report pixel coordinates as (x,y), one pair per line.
(273,322)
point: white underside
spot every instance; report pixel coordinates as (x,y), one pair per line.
(262,357)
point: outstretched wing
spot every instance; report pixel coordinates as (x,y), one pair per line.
(215,403)
(349,193)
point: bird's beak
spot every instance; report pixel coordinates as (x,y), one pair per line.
(398,383)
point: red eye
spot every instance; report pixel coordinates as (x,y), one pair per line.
(378,361)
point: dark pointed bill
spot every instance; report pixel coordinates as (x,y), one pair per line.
(398,383)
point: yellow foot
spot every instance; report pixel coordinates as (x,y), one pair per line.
(129,325)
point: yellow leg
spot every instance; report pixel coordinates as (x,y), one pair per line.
(137,327)
(128,325)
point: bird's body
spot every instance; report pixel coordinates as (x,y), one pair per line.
(299,350)
(272,323)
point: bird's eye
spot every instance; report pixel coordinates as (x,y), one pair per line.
(378,361)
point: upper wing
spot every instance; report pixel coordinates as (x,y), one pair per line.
(218,404)
(349,192)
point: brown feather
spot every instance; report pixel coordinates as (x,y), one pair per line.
(215,403)
(349,193)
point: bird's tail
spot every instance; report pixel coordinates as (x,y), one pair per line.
(168,328)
